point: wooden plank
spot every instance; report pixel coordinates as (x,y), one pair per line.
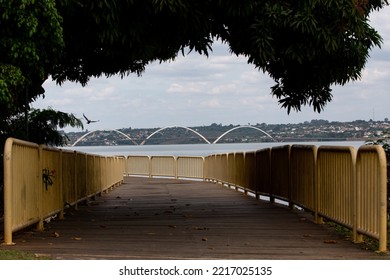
(178,219)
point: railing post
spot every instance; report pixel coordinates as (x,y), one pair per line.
(86,182)
(61,184)
(40,226)
(8,192)
(150,166)
(383,207)
(75,186)
(175,167)
(317,218)
(357,238)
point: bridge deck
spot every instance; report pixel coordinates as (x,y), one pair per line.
(175,219)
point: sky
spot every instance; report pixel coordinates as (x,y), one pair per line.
(195,90)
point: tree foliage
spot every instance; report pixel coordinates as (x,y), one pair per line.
(41,126)
(306,46)
(31,41)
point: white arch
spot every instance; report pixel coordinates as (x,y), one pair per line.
(127,136)
(242,126)
(90,132)
(175,126)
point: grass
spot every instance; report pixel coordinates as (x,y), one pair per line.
(373,244)
(19,255)
(368,243)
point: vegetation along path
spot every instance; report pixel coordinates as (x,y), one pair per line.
(178,219)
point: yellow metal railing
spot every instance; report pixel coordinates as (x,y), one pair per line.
(280,173)
(40,182)
(190,167)
(371,196)
(21,204)
(166,166)
(138,165)
(263,172)
(337,183)
(303,176)
(340,184)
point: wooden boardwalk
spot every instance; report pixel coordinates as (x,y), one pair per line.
(177,219)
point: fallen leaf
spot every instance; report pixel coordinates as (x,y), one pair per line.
(77,238)
(204,239)
(41,255)
(200,228)
(56,234)
(330,241)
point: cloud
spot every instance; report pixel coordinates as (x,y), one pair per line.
(60,102)
(225,89)
(187,88)
(211,103)
(380,72)
(104,94)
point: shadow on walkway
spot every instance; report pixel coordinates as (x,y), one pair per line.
(178,219)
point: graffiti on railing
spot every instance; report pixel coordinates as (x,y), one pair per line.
(47,177)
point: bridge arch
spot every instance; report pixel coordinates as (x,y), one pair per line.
(242,126)
(90,132)
(175,126)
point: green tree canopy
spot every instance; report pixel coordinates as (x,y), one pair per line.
(306,46)
(31,40)
(42,126)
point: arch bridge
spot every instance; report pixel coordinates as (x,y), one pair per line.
(243,126)
(93,131)
(175,126)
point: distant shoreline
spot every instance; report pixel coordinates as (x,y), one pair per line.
(313,131)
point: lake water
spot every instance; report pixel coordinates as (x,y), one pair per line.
(196,149)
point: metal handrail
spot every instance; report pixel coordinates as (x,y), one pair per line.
(41,181)
(340,184)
